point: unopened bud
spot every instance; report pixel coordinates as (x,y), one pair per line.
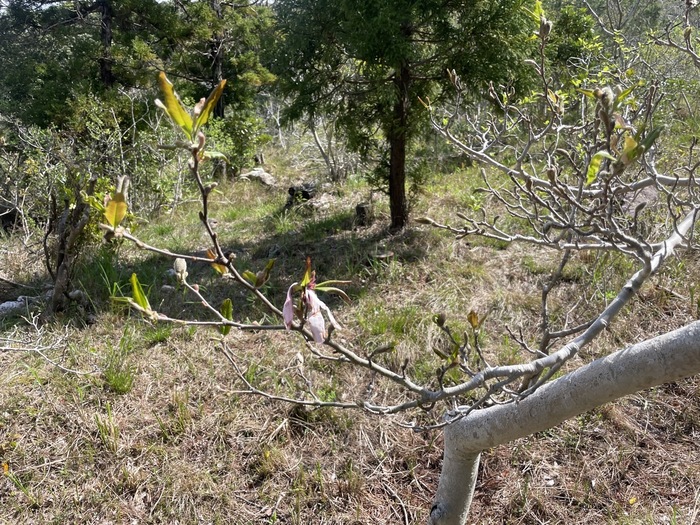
(545,27)
(199,107)
(606,97)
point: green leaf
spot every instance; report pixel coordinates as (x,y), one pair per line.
(138,294)
(262,277)
(332,281)
(215,155)
(588,92)
(173,106)
(220,268)
(333,290)
(208,106)
(116,210)
(440,353)
(594,166)
(227,312)
(250,276)
(308,274)
(536,12)
(650,138)
(630,150)
(622,96)
(93,202)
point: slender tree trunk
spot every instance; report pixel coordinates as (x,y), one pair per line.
(663,359)
(397,136)
(106,18)
(69,229)
(326,153)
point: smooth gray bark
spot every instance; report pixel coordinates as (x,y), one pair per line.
(663,359)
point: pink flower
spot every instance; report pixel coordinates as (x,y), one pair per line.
(314,313)
(288,309)
(315,317)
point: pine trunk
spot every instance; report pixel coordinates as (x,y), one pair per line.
(106,17)
(397,137)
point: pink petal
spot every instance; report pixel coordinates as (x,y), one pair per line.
(312,302)
(335,323)
(288,309)
(318,327)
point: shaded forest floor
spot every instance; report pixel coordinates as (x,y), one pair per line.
(144,423)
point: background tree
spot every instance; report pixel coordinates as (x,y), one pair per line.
(76,79)
(368,63)
(52,52)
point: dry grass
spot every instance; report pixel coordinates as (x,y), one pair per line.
(181,446)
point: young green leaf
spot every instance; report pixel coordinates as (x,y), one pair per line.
(249,276)
(174,107)
(220,268)
(650,138)
(325,287)
(537,11)
(590,93)
(440,353)
(333,290)
(208,106)
(116,210)
(93,202)
(630,151)
(308,274)
(263,276)
(214,155)
(138,293)
(332,281)
(594,166)
(227,312)
(619,99)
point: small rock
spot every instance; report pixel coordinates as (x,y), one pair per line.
(261,176)
(300,193)
(9,308)
(274,251)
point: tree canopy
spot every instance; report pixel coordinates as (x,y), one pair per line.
(369,63)
(53,51)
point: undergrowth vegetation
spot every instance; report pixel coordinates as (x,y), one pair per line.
(121,420)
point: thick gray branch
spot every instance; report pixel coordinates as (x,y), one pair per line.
(663,359)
